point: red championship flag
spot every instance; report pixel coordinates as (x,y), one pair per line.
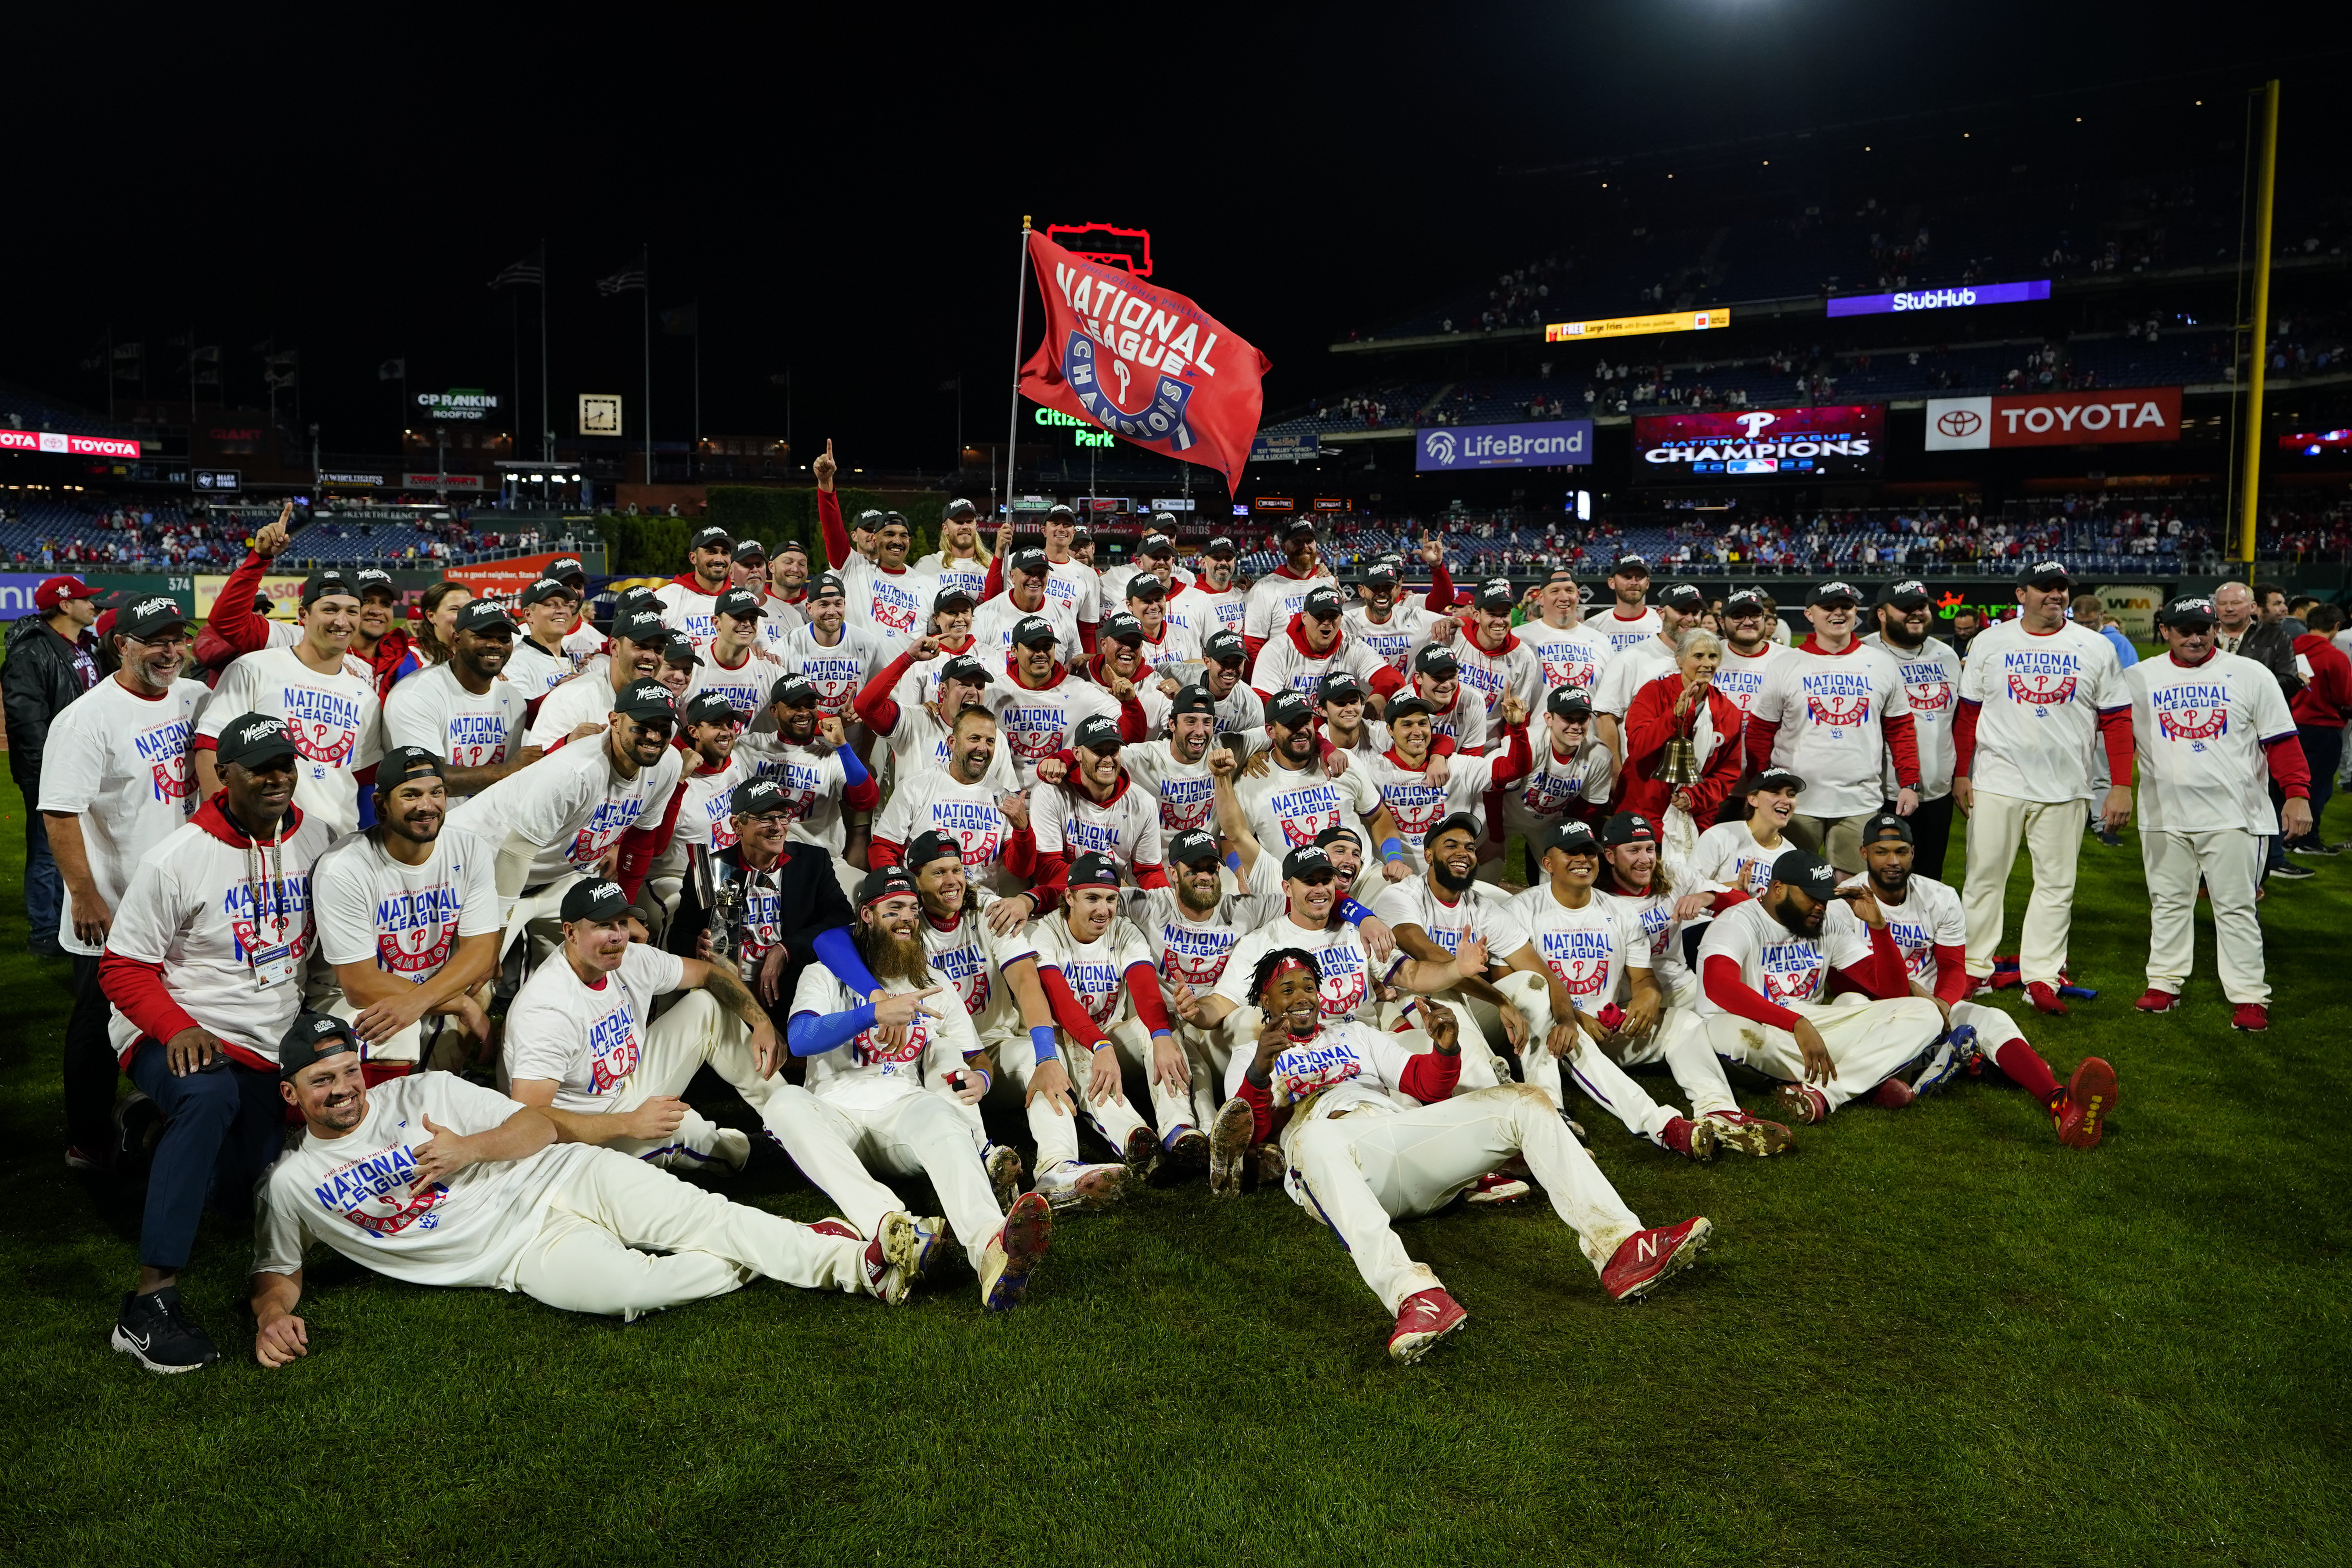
(1143,362)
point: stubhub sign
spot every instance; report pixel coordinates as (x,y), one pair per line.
(1540,444)
(1940,299)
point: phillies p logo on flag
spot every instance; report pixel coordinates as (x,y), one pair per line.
(1142,362)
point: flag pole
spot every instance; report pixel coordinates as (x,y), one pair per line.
(546,417)
(645,286)
(1020,326)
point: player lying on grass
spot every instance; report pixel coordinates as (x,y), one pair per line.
(1924,917)
(1360,1155)
(436,1181)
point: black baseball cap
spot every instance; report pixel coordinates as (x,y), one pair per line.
(787,547)
(2188,611)
(1771,779)
(594,898)
(1098,733)
(1307,861)
(1405,707)
(1909,595)
(402,764)
(1289,710)
(958,508)
(1339,686)
(929,846)
(966,669)
(2046,574)
(1193,848)
(368,579)
(704,538)
(1297,526)
(250,739)
(644,700)
(792,691)
(711,707)
(1032,630)
(1380,574)
(544,589)
(1147,586)
(1322,603)
(1220,545)
(949,595)
(143,619)
(753,796)
(565,567)
(312,1039)
(327,579)
(1685,598)
(1081,534)
(1224,644)
(885,882)
(640,625)
(1570,703)
(751,550)
(1886,824)
(1335,832)
(1192,698)
(1628,566)
(1435,659)
(481,615)
(1573,838)
(1807,873)
(1496,594)
(1118,624)
(1744,602)
(1628,827)
(1156,544)
(1453,819)
(678,652)
(1030,559)
(1831,593)
(829,585)
(741,602)
(1093,870)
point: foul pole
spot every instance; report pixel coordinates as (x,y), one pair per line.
(2262,326)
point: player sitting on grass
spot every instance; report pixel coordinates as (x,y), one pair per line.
(1925,917)
(436,1181)
(1360,1157)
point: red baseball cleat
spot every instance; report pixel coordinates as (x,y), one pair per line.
(1746,1134)
(2045,999)
(2250,1017)
(1801,1103)
(1497,1187)
(1010,1259)
(1694,1140)
(834,1226)
(1894,1094)
(2080,1111)
(2156,999)
(1425,1317)
(1646,1256)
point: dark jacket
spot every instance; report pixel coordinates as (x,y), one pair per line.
(810,901)
(44,673)
(2272,647)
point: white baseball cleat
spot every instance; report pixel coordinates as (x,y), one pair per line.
(895,1259)
(1013,1254)
(1071,1186)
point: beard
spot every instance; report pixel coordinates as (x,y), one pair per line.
(1449,880)
(1193,902)
(894,957)
(1796,923)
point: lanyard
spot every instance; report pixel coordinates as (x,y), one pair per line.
(275,886)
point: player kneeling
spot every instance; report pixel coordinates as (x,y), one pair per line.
(1360,1157)
(436,1181)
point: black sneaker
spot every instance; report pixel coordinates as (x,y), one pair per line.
(2290,872)
(2314,847)
(157,1330)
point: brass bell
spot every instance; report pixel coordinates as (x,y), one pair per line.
(1680,763)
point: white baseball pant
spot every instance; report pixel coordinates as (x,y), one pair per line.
(2052,832)
(1057,1135)
(1867,1041)
(1679,1041)
(915,1133)
(2230,862)
(432,1041)
(1173,1105)
(1360,1170)
(695,1031)
(585,1258)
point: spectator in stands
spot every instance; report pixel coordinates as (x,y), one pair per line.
(52,660)
(2320,710)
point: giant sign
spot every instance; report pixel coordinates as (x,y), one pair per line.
(1940,299)
(2053,419)
(1445,448)
(1829,442)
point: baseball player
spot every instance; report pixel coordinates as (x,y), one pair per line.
(548,609)
(435,1181)
(1212,604)
(1493,662)
(1764,968)
(2207,727)
(1400,774)
(573,705)
(915,710)
(823,780)
(1274,598)
(1239,710)
(2036,690)
(1039,708)
(1748,649)
(884,596)
(1359,1156)
(735,666)
(1568,654)
(1311,646)
(1925,919)
(1629,622)
(866,1104)
(908,679)
(332,714)
(689,600)
(1175,770)
(1570,779)
(833,657)
(971,801)
(1094,808)
(1165,644)
(961,561)
(1026,573)
(787,595)
(461,710)
(1931,680)
(1437,680)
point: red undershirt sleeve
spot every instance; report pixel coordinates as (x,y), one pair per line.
(881,851)
(1883,975)
(1951,974)
(641,846)
(874,704)
(138,991)
(234,619)
(1143,986)
(1430,1077)
(1132,724)
(1386,682)
(836,534)
(1068,1011)
(1728,991)
(2116,732)
(1902,739)
(995,583)
(1761,733)
(1153,876)
(1964,737)
(2290,769)
(1263,1118)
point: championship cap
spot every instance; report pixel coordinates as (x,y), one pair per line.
(402,764)
(1220,545)
(1405,707)
(1061,514)
(1435,659)
(1909,595)
(888,518)
(788,547)
(1032,630)
(565,568)
(1453,819)
(644,700)
(143,619)
(1030,559)
(326,580)
(1322,603)
(312,1039)
(1192,698)
(1335,832)
(1628,566)
(2046,574)
(1297,526)
(950,597)
(711,707)
(1193,848)
(1496,594)
(1807,874)
(751,550)
(374,579)
(1572,837)
(546,588)
(1771,779)
(1223,644)
(1833,594)
(1093,870)
(931,845)
(1884,825)
(1628,827)
(791,691)
(60,588)
(829,587)
(1146,586)
(1098,733)
(1339,686)
(1163,522)
(741,602)
(678,652)
(1156,544)
(704,538)
(1307,862)
(642,624)
(252,740)
(1744,602)
(1118,624)
(594,898)
(960,508)
(1289,710)
(632,596)
(966,669)
(1380,574)
(869,519)
(885,882)
(1685,598)
(1570,703)
(754,796)
(2188,613)
(481,615)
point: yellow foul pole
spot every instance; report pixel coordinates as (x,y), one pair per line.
(2255,437)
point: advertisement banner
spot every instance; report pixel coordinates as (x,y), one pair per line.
(1940,299)
(1829,442)
(71,445)
(285,592)
(1144,362)
(441,481)
(1637,326)
(503,579)
(1447,448)
(2054,419)
(2133,607)
(1291,448)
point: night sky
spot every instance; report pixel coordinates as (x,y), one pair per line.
(844,202)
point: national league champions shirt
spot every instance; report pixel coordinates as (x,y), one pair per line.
(587,1038)
(406,920)
(334,721)
(119,762)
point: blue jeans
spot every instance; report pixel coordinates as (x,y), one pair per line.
(222,1129)
(44,890)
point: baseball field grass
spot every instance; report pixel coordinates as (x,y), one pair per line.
(1931,1336)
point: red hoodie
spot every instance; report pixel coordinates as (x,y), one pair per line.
(2326,698)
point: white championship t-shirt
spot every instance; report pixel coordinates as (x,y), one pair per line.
(1096,971)
(1620,633)
(1831,710)
(1786,969)
(1067,820)
(1347,990)
(1931,678)
(1930,916)
(334,721)
(1034,725)
(935,801)
(970,957)
(1482,910)
(1728,854)
(119,762)
(572,805)
(2200,731)
(1285,809)
(868,1072)
(1567,656)
(583,699)
(1194,952)
(2040,696)
(405,918)
(1589,950)
(431,709)
(587,1038)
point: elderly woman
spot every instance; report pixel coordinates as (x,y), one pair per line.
(1682,704)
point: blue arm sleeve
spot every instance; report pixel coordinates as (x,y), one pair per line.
(814,1033)
(851,766)
(1354,913)
(838,950)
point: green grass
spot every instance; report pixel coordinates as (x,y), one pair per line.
(1926,1337)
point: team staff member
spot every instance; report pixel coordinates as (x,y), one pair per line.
(52,660)
(2206,727)
(331,715)
(1629,622)
(2038,692)
(961,562)
(408,921)
(460,709)
(2320,710)
(202,967)
(884,595)
(1931,680)
(1630,668)
(114,785)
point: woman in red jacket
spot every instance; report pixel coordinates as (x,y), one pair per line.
(1682,704)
